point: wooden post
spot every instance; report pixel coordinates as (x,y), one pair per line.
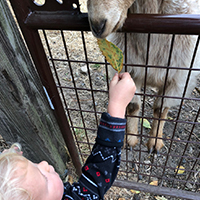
(25,114)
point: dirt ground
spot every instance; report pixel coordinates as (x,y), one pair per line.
(98,76)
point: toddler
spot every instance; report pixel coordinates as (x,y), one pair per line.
(21,179)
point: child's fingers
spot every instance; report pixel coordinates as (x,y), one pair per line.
(124,75)
(115,79)
(117,76)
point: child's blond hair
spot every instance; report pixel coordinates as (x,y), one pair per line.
(9,181)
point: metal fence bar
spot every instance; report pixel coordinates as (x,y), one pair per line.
(77,97)
(145,88)
(184,92)
(192,167)
(59,84)
(86,58)
(130,65)
(162,97)
(148,23)
(69,116)
(157,190)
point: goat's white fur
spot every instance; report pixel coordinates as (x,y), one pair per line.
(115,13)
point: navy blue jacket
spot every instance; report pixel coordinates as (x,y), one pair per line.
(101,167)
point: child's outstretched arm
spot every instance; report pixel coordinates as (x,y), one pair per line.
(101,167)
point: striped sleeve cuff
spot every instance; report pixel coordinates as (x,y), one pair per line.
(111,131)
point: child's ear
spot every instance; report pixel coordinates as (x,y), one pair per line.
(17,148)
(18,151)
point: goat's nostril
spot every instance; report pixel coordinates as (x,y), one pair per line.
(98,27)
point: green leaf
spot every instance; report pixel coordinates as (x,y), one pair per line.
(112,53)
(146,123)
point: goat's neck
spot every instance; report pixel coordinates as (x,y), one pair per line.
(165,6)
(146,6)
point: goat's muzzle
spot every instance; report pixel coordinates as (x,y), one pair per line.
(98,27)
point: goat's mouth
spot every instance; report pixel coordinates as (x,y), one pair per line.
(98,28)
(101,28)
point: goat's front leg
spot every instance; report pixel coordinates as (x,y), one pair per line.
(156,144)
(133,109)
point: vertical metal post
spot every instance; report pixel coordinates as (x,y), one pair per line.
(31,36)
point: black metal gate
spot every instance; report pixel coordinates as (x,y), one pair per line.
(75,76)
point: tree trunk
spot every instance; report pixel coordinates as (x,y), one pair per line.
(25,114)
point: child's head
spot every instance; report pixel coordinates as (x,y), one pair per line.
(10,182)
(21,179)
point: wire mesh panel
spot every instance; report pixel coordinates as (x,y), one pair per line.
(82,79)
(81,76)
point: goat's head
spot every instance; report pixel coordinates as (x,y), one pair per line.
(106,16)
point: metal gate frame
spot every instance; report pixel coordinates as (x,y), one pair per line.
(65,16)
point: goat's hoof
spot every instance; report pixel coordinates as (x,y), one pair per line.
(152,148)
(150,151)
(132,140)
(154,151)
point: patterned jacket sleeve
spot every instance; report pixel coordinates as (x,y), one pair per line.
(101,167)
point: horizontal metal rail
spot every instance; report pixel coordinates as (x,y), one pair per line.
(148,23)
(157,190)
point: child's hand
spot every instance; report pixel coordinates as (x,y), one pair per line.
(122,90)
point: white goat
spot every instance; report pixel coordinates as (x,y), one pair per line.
(107,16)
